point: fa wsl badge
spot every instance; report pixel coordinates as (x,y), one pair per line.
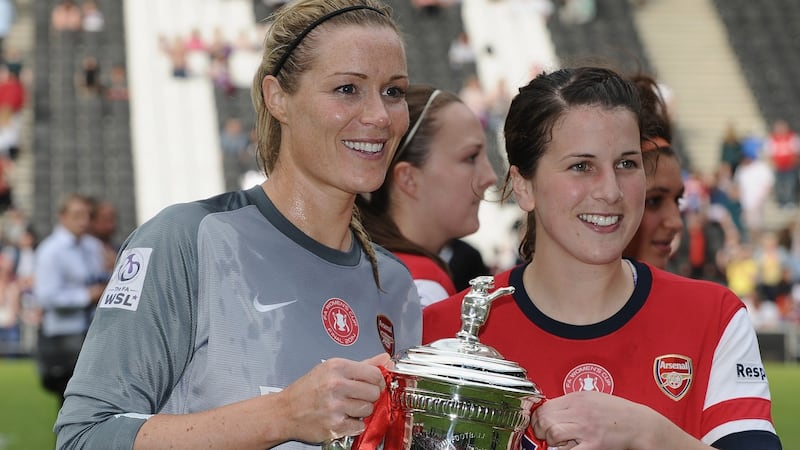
(673,375)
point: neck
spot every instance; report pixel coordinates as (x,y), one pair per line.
(420,232)
(579,294)
(322,217)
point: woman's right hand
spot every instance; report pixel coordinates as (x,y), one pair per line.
(331,400)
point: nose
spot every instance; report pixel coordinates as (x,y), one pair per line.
(608,187)
(485,175)
(375,111)
(673,219)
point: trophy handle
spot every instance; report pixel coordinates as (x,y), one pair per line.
(342,443)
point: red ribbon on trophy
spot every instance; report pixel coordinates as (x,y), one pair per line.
(386,424)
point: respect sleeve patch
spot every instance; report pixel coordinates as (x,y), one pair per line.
(125,287)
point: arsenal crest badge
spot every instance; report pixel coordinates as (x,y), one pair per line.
(673,375)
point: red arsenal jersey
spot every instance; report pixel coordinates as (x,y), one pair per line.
(684,347)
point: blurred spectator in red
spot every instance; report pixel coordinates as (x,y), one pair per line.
(195,42)
(12,99)
(93,19)
(66,16)
(12,91)
(782,146)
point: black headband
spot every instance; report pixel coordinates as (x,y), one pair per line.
(308,29)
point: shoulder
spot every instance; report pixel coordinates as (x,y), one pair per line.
(180,222)
(192,213)
(422,267)
(695,294)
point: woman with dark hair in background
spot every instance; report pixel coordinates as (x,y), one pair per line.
(433,188)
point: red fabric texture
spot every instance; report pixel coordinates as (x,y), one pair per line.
(386,424)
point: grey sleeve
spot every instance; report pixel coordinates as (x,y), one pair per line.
(141,338)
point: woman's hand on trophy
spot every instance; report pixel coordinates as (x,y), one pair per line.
(589,420)
(331,400)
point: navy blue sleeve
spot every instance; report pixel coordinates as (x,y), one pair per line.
(749,440)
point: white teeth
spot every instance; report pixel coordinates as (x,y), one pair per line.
(364,146)
(600,221)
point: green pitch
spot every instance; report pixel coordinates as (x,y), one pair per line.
(27,412)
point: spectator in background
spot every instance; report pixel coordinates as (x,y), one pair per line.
(235,141)
(10,310)
(66,16)
(117,88)
(93,19)
(12,91)
(441,165)
(69,279)
(176,51)
(22,254)
(460,54)
(88,79)
(774,268)
(754,181)
(7,19)
(577,12)
(13,60)
(474,96)
(103,226)
(731,148)
(782,147)
(12,100)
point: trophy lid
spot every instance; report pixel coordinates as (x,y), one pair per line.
(464,359)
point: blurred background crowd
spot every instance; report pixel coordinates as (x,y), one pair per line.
(141,104)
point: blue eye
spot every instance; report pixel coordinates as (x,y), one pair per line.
(395,92)
(346,89)
(580,167)
(628,164)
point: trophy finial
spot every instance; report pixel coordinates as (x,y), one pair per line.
(475,307)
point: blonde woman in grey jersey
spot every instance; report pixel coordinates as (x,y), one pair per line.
(260,318)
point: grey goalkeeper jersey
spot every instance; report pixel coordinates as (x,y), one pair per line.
(221,300)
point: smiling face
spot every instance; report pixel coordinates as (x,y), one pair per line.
(342,125)
(587,192)
(661,221)
(456,173)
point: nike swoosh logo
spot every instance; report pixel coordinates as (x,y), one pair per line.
(266,308)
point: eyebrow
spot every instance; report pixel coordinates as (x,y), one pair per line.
(592,155)
(364,76)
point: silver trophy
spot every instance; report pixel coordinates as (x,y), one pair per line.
(457,393)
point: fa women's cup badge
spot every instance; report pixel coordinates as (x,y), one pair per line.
(673,375)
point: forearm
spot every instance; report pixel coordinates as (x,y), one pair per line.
(257,423)
(660,432)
